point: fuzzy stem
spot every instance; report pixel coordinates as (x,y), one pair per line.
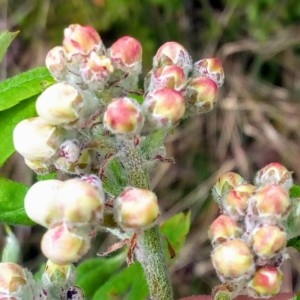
(149,250)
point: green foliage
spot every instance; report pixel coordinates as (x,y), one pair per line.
(12,203)
(6,38)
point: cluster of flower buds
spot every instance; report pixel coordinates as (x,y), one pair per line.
(249,237)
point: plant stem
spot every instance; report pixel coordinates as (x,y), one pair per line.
(149,250)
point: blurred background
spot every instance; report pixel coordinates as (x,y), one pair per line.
(256,120)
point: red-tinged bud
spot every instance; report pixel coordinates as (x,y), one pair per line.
(266,282)
(12,279)
(36,140)
(201,93)
(173,53)
(210,68)
(222,229)
(268,240)
(123,116)
(70,150)
(80,201)
(235,203)
(94,181)
(96,70)
(136,209)
(233,260)
(126,54)
(274,173)
(59,104)
(165,107)
(41,202)
(56,62)
(63,246)
(224,184)
(272,201)
(82,40)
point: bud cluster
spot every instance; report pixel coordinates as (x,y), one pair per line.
(249,237)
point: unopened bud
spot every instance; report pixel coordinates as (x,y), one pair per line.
(165,107)
(64,246)
(201,93)
(210,68)
(123,116)
(233,260)
(266,282)
(41,202)
(173,53)
(59,104)
(56,62)
(272,201)
(222,229)
(268,240)
(136,208)
(36,140)
(70,150)
(274,173)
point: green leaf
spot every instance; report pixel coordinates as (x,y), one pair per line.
(23,86)
(129,283)
(295,243)
(12,203)
(176,230)
(295,191)
(94,272)
(6,38)
(8,120)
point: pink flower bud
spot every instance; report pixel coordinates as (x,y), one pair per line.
(80,201)
(210,68)
(170,76)
(201,93)
(173,53)
(266,282)
(123,116)
(126,54)
(233,260)
(59,104)
(41,202)
(136,209)
(235,203)
(56,62)
(224,184)
(63,246)
(165,107)
(70,150)
(272,201)
(222,229)
(81,40)
(268,240)
(274,173)
(36,140)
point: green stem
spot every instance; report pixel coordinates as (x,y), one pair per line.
(149,250)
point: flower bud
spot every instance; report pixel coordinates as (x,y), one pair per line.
(201,92)
(56,62)
(233,260)
(268,240)
(82,40)
(235,203)
(36,140)
(59,104)
(164,107)
(123,116)
(74,293)
(222,229)
(224,184)
(266,282)
(94,181)
(210,68)
(41,202)
(62,246)
(12,278)
(173,53)
(136,208)
(126,54)
(272,201)
(70,150)
(80,201)
(274,173)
